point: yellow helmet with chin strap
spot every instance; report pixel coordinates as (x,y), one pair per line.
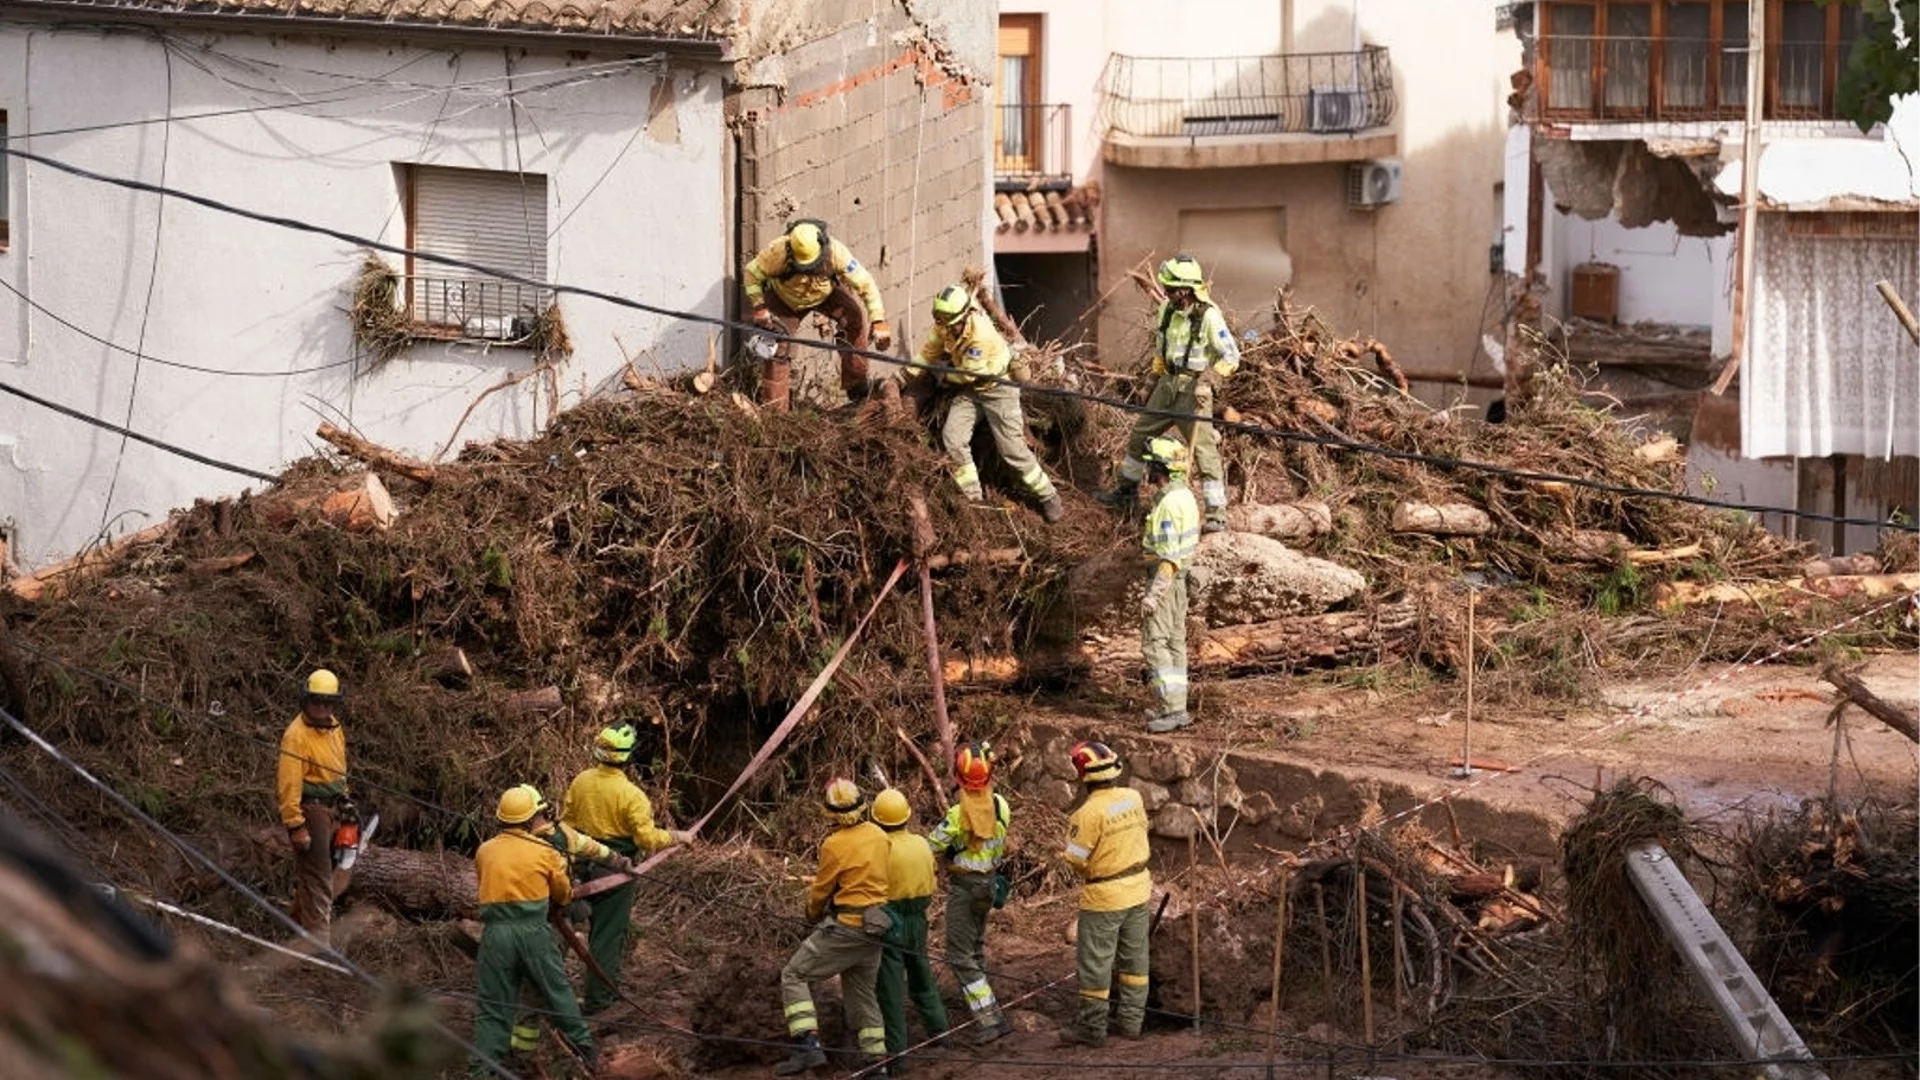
(322,685)
(807,245)
(1181,272)
(520,804)
(1166,453)
(891,809)
(952,304)
(843,801)
(614,745)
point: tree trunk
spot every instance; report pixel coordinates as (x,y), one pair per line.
(1281,521)
(1450,519)
(527,703)
(426,884)
(378,456)
(1895,717)
(47,582)
(361,505)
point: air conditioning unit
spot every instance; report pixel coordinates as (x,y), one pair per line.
(1372,184)
(1335,109)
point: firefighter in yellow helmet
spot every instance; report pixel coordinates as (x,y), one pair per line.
(310,785)
(521,876)
(1171,538)
(905,972)
(605,804)
(964,339)
(848,901)
(1193,352)
(1107,848)
(806,272)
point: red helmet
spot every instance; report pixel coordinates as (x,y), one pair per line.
(1095,761)
(974,766)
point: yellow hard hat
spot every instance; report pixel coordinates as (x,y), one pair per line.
(1181,272)
(951,303)
(1095,761)
(890,808)
(323,685)
(843,801)
(806,243)
(614,745)
(1168,453)
(519,804)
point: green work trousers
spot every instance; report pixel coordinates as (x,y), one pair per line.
(1110,940)
(517,946)
(612,913)
(999,405)
(905,972)
(1183,392)
(852,953)
(1163,648)
(969,899)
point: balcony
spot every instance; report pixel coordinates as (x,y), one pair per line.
(1214,112)
(1033,147)
(1615,78)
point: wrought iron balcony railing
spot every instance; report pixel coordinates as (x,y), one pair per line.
(1321,93)
(480,309)
(1033,144)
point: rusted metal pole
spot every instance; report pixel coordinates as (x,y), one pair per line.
(1366,959)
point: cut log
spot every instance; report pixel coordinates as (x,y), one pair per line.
(1587,545)
(1342,637)
(378,456)
(424,884)
(1281,521)
(1664,448)
(450,666)
(1481,885)
(527,703)
(1841,564)
(1901,720)
(1653,557)
(47,582)
(362,505)
(702,382)
(1672,594)
(1446,519)
(988,557)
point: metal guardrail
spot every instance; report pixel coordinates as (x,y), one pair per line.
(484,309)
(1324,93)
(1033,143)
(1642,78)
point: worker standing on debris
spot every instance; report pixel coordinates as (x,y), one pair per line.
(905,971)
(521,876)
(964,339)
(605,804)
(806,272)
(1171,537)
(848,901)
(310,782)
(973,840)
(1193,352)
(1107,848)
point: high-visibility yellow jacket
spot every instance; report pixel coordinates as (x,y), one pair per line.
(974,345)
(969,853)
(520,875)
(1107,847)
(802,291)
(909,865)
(573,843)
(312,765)
(603,803)
(1172,534)
(1188,341)
(854,860)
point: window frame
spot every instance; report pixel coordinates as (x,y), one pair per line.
(422,328)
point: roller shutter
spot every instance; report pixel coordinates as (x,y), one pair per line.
(494,218)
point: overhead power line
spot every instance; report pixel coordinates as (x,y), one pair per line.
(1326,441)
(158,444)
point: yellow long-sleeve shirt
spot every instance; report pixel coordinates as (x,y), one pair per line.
(910,873)
(854,861)
(574,843)
(313,762)
(603,803)
(520,874)
(803,291)
(976,347)
(1107,846)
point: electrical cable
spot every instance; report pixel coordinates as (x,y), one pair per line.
(1325,441)
(196,855)
(104,425)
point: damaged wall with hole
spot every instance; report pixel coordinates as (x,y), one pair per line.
(872,115)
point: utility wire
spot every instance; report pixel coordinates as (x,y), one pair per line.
(1326,441)
(105,425)
(214,866)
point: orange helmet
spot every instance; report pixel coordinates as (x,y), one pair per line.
(974,766)
(1095,761)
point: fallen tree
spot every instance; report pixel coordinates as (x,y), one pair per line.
(421,884)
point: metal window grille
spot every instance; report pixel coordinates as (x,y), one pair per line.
(493,218)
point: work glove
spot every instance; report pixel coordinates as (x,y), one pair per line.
(762,317)
(1159,366)
(1020,368)
(618,863)
(680,836)
(1156,591)
(299,837)
(882,335)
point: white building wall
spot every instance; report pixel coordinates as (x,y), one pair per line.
(1664,277)
(636,189)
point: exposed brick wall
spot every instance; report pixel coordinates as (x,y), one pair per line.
(864,107)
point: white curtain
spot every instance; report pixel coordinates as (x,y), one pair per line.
(1829,371)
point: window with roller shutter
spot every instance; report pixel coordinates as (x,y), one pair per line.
(489,217)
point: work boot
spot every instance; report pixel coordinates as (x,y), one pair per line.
(1122,494)
(1051,510)
(1160,725)
(879,1068)
(807,1055)
(1073,1036)
(991,1030)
